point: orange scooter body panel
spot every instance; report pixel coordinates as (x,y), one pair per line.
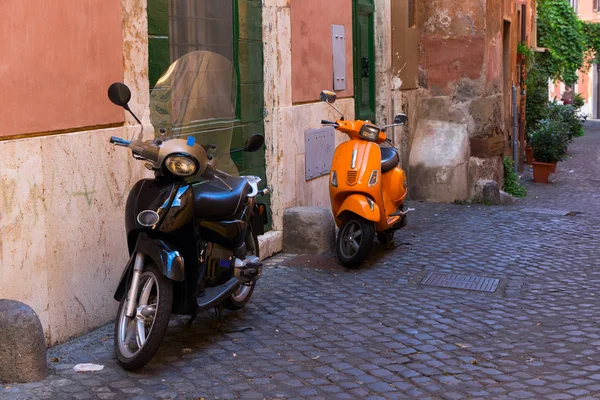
(358,204)
(354,162)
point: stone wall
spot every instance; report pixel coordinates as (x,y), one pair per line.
(460,83)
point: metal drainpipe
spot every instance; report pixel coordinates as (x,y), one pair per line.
(515,141)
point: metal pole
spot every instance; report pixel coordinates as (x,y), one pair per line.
(515,141)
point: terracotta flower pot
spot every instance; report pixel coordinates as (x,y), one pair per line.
(541,171)
(553,171)
(529,155)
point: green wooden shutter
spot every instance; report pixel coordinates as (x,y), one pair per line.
(364,59)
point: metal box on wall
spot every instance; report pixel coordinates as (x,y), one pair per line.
(319,149)
(338,37)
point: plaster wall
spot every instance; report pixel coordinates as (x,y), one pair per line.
(312,64)
(297,120)
(287,122)
(62,242)
(586,11)
(59,57)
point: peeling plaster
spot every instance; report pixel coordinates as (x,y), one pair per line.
(439,20)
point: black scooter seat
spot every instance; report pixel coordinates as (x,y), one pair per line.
(389,159)
(212,199)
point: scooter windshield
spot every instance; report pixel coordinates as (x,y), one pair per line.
(197,97)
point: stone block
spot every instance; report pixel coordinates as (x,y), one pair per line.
(506,199)
(23,345)
(486,191)
(308,230)
(490,193)
(488,169)
(439,162)
(270,244)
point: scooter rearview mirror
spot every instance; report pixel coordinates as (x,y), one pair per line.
(254,143)
(400,119)
(328,96)
(119,94)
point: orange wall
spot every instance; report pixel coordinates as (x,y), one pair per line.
(586,11)
(312,58)
(58,59)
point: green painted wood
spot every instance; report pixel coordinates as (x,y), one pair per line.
(248,60)
(159,58)
(250,20)
(364,59)
(158,17)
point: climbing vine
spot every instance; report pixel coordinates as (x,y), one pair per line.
(591,32)
(562,33)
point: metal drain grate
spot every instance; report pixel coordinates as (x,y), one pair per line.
(467,282)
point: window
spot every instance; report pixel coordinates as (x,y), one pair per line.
(575,5)
(201,25)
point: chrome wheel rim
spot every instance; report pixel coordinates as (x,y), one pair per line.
(352,236)
(242,292)
(134,332)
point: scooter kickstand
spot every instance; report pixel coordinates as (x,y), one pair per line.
(192,318)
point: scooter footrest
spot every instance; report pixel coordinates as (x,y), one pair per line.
(401,211)
(213,296)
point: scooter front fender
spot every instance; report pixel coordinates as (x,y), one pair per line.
(360,205)
(162,253)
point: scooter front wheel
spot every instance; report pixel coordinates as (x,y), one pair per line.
(355,241)
(137,338)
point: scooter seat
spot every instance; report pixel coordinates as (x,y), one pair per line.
(389,159)
(212,199)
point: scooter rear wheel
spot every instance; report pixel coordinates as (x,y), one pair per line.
(355,241)
(241,296)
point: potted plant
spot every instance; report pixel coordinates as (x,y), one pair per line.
(549,141)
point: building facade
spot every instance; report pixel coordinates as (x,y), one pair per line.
(449,65)
(588,84)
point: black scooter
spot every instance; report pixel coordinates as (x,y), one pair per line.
(192,230)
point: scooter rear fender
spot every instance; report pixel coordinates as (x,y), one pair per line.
(358,204)
(162,253)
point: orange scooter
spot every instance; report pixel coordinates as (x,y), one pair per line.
(366,187)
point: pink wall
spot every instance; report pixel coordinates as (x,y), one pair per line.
(586,11)
(58,59)
(312,60)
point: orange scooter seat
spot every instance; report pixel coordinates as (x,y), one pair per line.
(389,159)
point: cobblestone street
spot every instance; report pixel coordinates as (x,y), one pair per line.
(314,330)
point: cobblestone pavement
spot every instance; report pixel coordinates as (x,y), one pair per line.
(376,333)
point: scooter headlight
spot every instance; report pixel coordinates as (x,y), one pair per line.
(334,181)
(181,165)
(369,132)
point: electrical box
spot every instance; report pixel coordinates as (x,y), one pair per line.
(319,149)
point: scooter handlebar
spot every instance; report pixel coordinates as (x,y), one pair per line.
(325,122)
(119,142)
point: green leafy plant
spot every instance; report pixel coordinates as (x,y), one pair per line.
(578,101)
(562,33)
(527,54)
(591,31)
(512,185)
(566,115)
(549,141)
(537,99)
